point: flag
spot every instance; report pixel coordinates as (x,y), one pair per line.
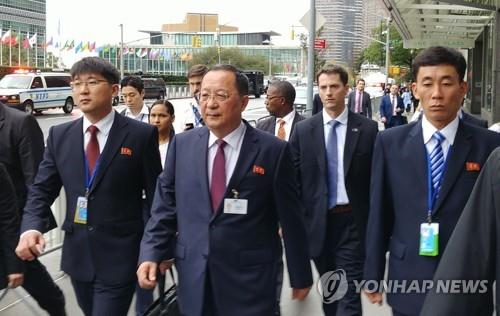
(26,43)
(71,45)
(49,43)
(144,52)
(14,40)
(125,51)
(92,46)
(6,37)
(85,46)
(32,40)
(78,48)
(138,52)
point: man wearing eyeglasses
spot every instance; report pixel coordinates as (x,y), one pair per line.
(279,103)
(227,249)
(104,161)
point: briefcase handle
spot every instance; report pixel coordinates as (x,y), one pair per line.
(161,285)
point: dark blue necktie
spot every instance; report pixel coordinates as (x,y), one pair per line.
(436,159)
(332,164)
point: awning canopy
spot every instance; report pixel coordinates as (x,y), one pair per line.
(454,23)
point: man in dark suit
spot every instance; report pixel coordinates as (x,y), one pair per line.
(317,104)
(442,158)
(227,245)
(104,161)
(279,103)
(11,267)
(392,108)
(335,185)
(359,101)
(21,150)
(470,119)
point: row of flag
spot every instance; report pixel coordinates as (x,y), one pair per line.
(9,39)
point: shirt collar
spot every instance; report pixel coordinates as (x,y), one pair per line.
(449,131)
(342,118)
(144,110)
(104,125)
(287,118)
(232,138)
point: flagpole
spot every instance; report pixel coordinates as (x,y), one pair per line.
(36,51)
(45,51)
(10,48)
(1,47)
(19,49)
(27,48)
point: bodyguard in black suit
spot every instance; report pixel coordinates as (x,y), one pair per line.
(335,186)
(105,162)
(11,267)
(21,150)
(279,103)
(442,158)
(359,101)
(317,104)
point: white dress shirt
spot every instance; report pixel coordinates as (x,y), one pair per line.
(143,115)
(163,153)
(231,151)
(341,131)
(104,126)
(288,124)
(449,132)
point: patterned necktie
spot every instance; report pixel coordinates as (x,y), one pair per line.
(281,129)
(358,104)
(332,164)
(218,185)
(436,160)
(92,150)
(199,120)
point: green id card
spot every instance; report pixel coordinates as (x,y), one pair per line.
(81,210)
(429,239)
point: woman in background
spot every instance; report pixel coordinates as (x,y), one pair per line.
(162,116)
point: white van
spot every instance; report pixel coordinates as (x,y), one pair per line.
(35,92)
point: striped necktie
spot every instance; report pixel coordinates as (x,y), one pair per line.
(436,160)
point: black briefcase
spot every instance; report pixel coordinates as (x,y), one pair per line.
(166,304)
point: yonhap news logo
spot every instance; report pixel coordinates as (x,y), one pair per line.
(332,286)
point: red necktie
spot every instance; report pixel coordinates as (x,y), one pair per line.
(218,187)
(92,151)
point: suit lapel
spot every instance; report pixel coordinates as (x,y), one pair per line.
(200,155)
(77,156)
(248,153)
(116,136)
(2,116)
(272,125)
(318,139)
(418,156)
(455,162)
(351,140)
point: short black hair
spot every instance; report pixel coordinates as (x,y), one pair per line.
(286,90)
(440,55)
(133,81)
(241,78)
(98,66)
(166,104)
(360,79)
(333,69)
(198,70)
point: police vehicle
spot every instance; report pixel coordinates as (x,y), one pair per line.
(37,91)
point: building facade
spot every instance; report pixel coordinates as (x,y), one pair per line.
(23,19)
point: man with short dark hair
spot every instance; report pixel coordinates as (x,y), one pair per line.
(132,89)
(392,108)
(333,151)
(192,114)
(279,102)
(437,159)
(359,101)
(224,189)
(105,162)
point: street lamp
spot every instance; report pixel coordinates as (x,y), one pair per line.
(268,42)
(121,50)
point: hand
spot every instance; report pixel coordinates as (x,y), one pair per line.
(280,232)
(374,297)
(146,274)
(15,280)
(383,119)
(166,265)
(300,294)
(30,246)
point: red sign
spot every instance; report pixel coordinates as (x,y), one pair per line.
(320,43)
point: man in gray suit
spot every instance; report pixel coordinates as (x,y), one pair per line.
(279,103)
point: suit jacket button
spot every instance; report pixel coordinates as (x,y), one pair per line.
(90,228)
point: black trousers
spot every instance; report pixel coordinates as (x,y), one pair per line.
(97,298)
(342,250)
(39,284)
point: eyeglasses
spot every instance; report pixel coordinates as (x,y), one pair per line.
(92,83)
(219,96)
(274,97)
